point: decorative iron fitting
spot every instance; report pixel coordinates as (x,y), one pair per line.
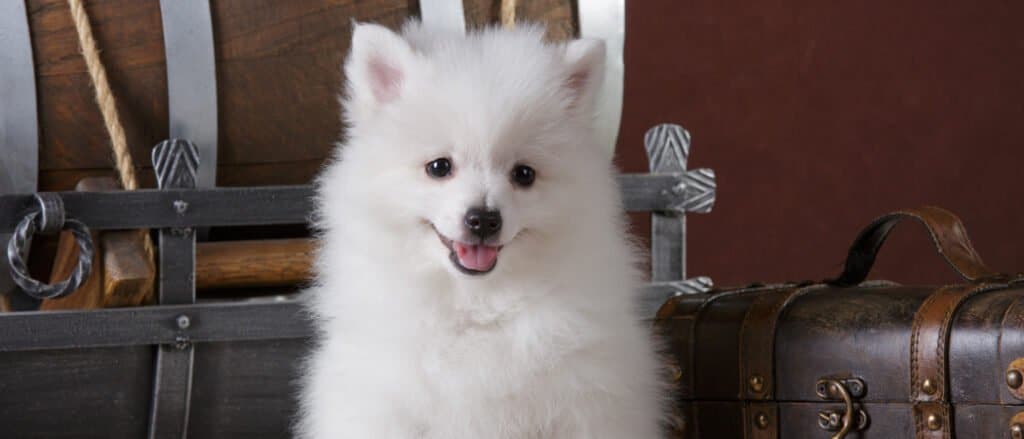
(695,192)
(48,218)
(1015,378)
(668,149)
(693,285)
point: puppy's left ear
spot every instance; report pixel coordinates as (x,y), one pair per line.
(585,59)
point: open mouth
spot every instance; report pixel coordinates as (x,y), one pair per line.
(471,259)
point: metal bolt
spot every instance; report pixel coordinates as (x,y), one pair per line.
(1017,431)
(761,420)
(183,321)
(180,206)
(934,422)
(1014,378)
(928,386)
(756,383)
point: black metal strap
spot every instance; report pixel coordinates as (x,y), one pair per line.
(244,206)
(19,126)
(175,164)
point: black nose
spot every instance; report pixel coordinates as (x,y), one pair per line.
(483,223)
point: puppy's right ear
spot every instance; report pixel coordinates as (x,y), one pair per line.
(378,64)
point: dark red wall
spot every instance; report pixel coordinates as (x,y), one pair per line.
(819,116)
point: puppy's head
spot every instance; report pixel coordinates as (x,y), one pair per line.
(475,151)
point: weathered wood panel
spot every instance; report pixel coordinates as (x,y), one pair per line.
(76,393)
(245,389)
(278,73)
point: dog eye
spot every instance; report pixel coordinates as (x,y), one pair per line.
(523,175)
(439,168)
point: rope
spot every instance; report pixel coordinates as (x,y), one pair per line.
(108,108)
(508,14)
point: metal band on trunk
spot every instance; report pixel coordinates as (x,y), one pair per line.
(19,127)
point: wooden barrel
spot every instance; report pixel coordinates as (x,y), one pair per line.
(278,74)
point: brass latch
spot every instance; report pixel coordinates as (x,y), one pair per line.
(849,418)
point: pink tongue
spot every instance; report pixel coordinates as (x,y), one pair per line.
(476,257)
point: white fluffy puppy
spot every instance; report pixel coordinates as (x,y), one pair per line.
(475,279)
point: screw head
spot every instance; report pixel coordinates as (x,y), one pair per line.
(761,420)
(929,387)
(183,321)
(933,422)
(756,383)
(1014,379)
(1017,431)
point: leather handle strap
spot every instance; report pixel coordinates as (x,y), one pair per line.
(946,231)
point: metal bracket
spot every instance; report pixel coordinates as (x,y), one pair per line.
(851,417)
(668,149)
(19,126)
(175,163)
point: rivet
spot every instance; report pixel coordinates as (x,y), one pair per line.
(180,206)
(1017,431)
(756,383)
(934,422)
(928,386)
(183,321)
(675,372)
(1014,379)
(761,420)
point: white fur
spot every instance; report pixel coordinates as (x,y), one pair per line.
(547,345)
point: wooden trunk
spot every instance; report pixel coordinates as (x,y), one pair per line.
(278,70)
(914,361)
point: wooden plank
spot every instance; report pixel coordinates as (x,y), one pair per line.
(128,270)
(263,263)
(244,390)
(76,393)
(131,48)
(295,45)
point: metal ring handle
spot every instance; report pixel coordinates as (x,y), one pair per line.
(17,254)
